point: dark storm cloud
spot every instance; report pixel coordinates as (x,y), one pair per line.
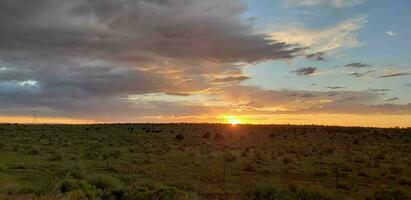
(304,71)
(357,65)
(408,85)
(177,29)
(231,79)
(319,56)
(395,74)
(84,53)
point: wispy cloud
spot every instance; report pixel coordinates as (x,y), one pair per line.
(356,74)
(231,79)
(318,56)
(343,35)
(380,90)
(357,65)
(391,33)
(335,87)
(304,71)
(330,3)
(394,74)
(392,99)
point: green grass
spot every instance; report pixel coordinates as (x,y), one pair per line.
(212,161)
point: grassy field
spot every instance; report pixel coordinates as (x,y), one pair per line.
(203,161)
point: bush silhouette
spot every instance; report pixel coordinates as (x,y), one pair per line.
(180,137)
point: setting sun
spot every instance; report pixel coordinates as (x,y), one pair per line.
(233,120)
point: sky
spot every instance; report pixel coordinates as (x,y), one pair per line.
(330,62)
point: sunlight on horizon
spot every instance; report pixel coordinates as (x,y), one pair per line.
(233,120)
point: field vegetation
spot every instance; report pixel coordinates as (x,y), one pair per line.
(204,161)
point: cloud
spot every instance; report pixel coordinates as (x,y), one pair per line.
(391,33)
(392,99)
(304,71)
(394,74)
(408,84)
(357,65)
(318,56)
(380,90)
(88,55)
(343,35)
(335,87)
(330,3)
(356,74)
(120,60)
(300,102)
(231,79)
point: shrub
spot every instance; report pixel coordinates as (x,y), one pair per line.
(73,170)
(320,174)
(33,151)
(55,156)
(67,185)
(76,189)
(390,194)
(268,192)
(250,168)
(180,137)
(312,194)
(363,174)
(3,168)
(271,192)
(218,136)
(164,193)
(110,186)
(286,161)
(207,135)
(402,181)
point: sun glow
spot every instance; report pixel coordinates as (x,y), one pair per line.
(233,120)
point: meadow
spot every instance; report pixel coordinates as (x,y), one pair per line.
(204,161)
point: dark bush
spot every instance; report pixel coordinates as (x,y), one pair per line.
(180,137)
(79,189)
(250,168)
(402,181)
(287,160)
(56,155)
(67,185)
(207,135)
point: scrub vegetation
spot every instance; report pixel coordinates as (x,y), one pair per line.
(204,161)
